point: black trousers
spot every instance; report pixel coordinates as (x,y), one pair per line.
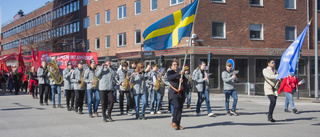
(132,103)
(50,93)
(85,97)
(43,89)
(70,96)
(273,100)
(34,91)
(177,109)
(79,99)
(107,101)
(25,86)
(16,88)
(122,99)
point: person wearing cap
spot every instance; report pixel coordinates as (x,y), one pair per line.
(44,82)
(89,78)
(202,85)
(106,75)
(120,79)
(188,89)
(79,91)
(229,79)
(68,86)
(289,85)
(55,88)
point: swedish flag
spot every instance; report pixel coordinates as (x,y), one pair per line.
(168,32)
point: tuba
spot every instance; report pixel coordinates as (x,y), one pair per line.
(55,71)
(95,79)
(159,81)
(126,81)
(81,85)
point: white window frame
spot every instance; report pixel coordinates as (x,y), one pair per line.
(84,22)
(261,3)
(106,20)
(135,37)
(177,2)
(151,6)
(96,19)
(220,1)
(122,7)
(107,38)
(135,7)
(261,32)
(224,30)
(295,33)
(122,39)
(295,5)
(95,43)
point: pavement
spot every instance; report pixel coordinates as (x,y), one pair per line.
(22,116)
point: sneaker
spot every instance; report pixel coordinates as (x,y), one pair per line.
(90,116)
(233,112)
(159,112)
(228,113)
(188,106)
(41,104)
(199,114)
(105,119)
(54,106)
(76,110)
(121,113)
(60,106)
(129,114)
(211,114)
(143,117)
(152,113)
(80,112)
(96,113)
(47,103)
(286,110)
(110,119)
(295,111)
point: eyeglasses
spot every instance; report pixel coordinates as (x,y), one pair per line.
(273,63)
(230,66)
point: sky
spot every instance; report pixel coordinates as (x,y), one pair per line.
(9,8)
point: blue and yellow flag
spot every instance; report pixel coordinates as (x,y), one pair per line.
(168,32)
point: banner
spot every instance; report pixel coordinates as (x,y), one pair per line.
(63,58)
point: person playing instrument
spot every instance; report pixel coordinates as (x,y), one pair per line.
(202,86)
(55,88)
(92,88)
(106,75)
(44,82)
(229,78)
(76,79)
(68,86)
(139,90)
(270,88)
(132,68)
(122,79)
(188,89)
(33,82)
(176,95)
(155,96)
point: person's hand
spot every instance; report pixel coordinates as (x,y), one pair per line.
(181,72)
(138,73)
(181,80)
(155,85)
(71,70)
(206,78)
(122,84)
(92,81)
(234,76)
(132,75)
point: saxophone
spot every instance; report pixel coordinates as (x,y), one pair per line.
(126,81)
(54,72)
(81,85)
(96,80)
(159,81)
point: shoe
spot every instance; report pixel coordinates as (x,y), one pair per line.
(36,97)
(159,112)
(129,114)
(47,103)
(228,113)
(271,120)
(181,128)
(54,106)
(175,126)
(86,105)
(161,108)
(96,113)
(286,110)
(110,119)
(72,109)
(152,113)
(60,106)
(116,101)
(90,116)
(233,112)
(199,114)
(211,114)
(105,119)
(41,104)
(121,113)
(76,110)
(188,106)
(68,109)
(29,93)
(143,117)
(80,112)
(295,111)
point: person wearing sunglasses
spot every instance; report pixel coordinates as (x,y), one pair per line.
(229,79)
(270,90)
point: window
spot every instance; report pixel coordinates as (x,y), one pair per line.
(71,5)
(242,66)
(107,16)
(75,6)
(67,29)
(97,19)
(137,37)
(256,2)
(301,67)
(74,27)
(122,39)
(153,5)
(290,33)
(71,29)
(97,43)
(218,30)
(290,4)
(318,7)
(256,32)
(85,2)
(122,13)
(64,10)
(313,65)
(67,9)
(260,65)
(218,1)
(175,2)
(63,30)
(107,41)
(137,7)
(86,22)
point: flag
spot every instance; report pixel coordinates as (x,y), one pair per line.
(289,58)
(169,31)
(33,56)
(20,61)
(37,55)
(4,66)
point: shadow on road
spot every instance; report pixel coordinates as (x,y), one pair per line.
(296,119)
(22,107)
(228,123)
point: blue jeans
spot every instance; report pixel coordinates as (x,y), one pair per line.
(10,86)
(147,97)
(201,97)
(55,88)
(234,95)
(188,95)
(289,100)
(155,97)
(94,100)
(137,98)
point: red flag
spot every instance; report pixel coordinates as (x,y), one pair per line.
(4,66)
(37,55)
(33,56)
(20,61)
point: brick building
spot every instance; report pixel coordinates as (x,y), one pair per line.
(247,31)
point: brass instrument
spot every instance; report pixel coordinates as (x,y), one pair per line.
(81,85)
(159,81)
(126,81)
(96,80)
(54,71)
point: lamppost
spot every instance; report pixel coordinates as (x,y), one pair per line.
(74,40)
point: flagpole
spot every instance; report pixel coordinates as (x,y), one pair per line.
(316,51)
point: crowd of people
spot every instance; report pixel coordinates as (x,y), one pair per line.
(100,83)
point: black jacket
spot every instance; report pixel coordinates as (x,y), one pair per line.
(173,78)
